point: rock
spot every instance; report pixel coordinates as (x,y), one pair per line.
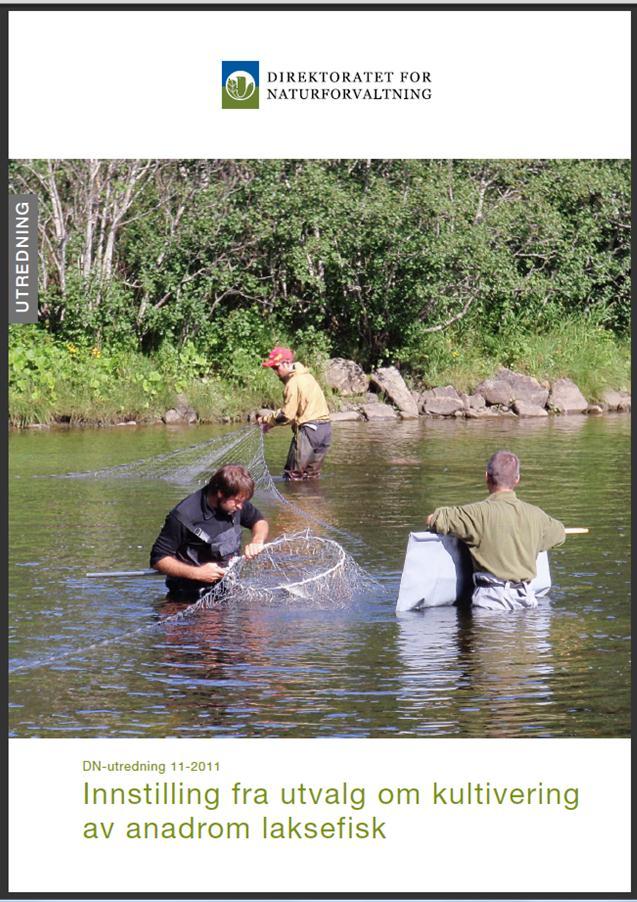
(476,402)
(506,387)
(372,397)
(565,397)
(524,388)
(595,410)
(617,400)
(445,391)
(127,423)
(345,415)
(345,376)
(526,409)
(348,407)
(495,391)
(38,426)
(473,414)
(442,406)
(433,394)
(185,411)
(379,411)
(392,384)
(172,417)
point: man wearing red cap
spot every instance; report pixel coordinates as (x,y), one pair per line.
(305,410)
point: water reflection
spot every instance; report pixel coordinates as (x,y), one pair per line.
(129,667)
(490,669)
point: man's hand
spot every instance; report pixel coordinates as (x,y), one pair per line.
(251,550)
(206,573)
(265,427)
(209,573)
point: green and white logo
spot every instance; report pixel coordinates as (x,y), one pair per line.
(240,85)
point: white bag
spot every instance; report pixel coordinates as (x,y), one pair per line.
(438,571)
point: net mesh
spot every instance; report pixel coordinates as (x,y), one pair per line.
(298,567)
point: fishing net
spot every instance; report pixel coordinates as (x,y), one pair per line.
(300,567)
(293,569)
(297,566)
(195,463)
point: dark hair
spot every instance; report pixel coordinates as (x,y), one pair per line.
(230,481)
(503,469)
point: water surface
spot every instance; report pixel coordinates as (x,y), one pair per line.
(99,658)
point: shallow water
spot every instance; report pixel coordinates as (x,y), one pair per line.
(98,659)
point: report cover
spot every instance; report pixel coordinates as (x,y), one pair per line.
(319,475)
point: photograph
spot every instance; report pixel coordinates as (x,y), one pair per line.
(322,448)
(319,451)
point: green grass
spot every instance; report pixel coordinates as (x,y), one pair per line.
(590,355)
(54,382)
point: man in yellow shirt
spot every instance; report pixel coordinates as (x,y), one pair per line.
(305,410)
(504,536)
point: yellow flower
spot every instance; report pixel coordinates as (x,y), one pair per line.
(95,352)
(71,348)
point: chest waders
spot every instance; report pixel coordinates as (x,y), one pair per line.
(310,444)
(501,594)
(223,547)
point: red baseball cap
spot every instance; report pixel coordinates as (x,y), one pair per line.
(277,356)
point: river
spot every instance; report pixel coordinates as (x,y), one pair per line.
(99,658)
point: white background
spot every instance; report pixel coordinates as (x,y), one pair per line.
(505,84)
(453,849)
(139,84)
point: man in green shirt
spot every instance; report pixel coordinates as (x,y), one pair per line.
(504,536)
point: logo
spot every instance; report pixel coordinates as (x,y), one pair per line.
(240,85)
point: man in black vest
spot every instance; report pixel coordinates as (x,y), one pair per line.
(203,533)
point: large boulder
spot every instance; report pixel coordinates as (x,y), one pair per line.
(445,391)
(565,397)
(182,412)
(481,413)
(495,391)
(507,386)
(345,376)
(345,415)
(379,412)
(392,384)
(442,401)
(476,402)
(526,409)
(525,388)
(616,400)
(442,407)
(172,417)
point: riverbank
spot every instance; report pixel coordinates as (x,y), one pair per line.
(53,382)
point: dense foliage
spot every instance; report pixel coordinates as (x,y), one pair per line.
(164,277)
(369,259)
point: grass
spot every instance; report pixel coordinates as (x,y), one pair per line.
(58,383)
(590,355)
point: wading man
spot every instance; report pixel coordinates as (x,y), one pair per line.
(203,533)
(504,536)
(305,410)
